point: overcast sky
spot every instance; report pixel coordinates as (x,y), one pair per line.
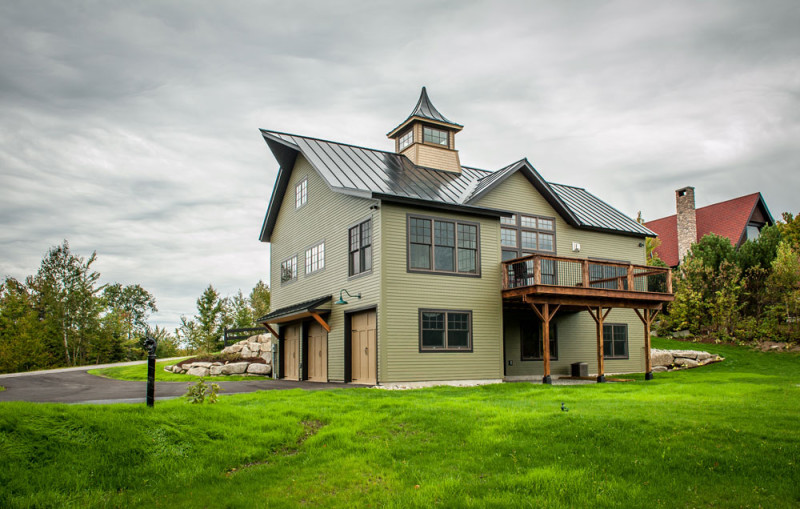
(131,128)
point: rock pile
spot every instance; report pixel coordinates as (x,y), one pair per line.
(254,357)
(667,360)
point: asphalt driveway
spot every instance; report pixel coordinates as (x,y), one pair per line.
(75,385)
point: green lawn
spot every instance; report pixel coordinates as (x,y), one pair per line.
(725,435)
(138,372)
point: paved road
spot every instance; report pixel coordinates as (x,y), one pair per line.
(75,385)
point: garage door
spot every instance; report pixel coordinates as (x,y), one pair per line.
(364,347)
(317,353)
(291,353)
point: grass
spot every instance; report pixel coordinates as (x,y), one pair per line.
(138,372)
(725,435)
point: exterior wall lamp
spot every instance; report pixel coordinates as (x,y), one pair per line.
(341,299)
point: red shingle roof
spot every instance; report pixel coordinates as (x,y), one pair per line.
(726,219)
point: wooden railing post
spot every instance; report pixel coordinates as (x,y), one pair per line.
(631,286)
(669,280)
(585,273)
(537,270)
(505,276)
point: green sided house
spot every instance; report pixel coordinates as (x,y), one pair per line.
(391,267)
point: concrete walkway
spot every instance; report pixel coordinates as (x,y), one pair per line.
(75,385)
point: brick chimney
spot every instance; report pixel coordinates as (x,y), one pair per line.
(687,220)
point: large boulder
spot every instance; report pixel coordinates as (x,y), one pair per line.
(198,371)
(685,362)
(259,369)
(233,348)
(660,357)
(701,356)
(216,370)
(201,364)
(245,352)
(686,354)
(659,369)
(234,368)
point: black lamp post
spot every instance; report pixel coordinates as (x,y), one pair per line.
(150,345)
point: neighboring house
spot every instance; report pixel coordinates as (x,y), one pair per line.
(739,220)
(406,266)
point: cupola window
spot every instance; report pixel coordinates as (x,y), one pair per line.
(435,136)
(406,139)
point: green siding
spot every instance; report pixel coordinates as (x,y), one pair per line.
(576,331)
(326,216)
(399,357)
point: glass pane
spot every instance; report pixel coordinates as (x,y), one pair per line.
(367,262)
(545,242)
(421,231)
(508,237)
(433,338)
(468,236)
(545,224)
(434,136)
(433,321)
(508,255)
(355,263)
(366,233)
(467,260)
(458,339)
(528,240)
(619,348)
(509,220)
(620,333)
(529,337)
(458,321)
(445,258)
(420,256)
(527,222)
(354,240)
(444,233)
(607,348)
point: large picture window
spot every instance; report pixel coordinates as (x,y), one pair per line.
(531,341)
(315,258)
(443,330)
(522,234)
(615,341)
(360,241)
(443,246)
(289,269)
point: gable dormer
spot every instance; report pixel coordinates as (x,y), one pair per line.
(427,138)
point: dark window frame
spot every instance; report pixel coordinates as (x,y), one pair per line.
(614,355)
(319,259)
(540,344)
(433,143)
(295,272)
(446,348)
(361,250)
(517,227)
(432,246)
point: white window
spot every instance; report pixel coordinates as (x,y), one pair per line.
(301,194)
(315,258)
(407,139)
(289,269)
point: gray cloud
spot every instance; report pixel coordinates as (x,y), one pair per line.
(131,128)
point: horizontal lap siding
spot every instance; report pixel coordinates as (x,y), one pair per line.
(405,293)
(576,331)
(326,216)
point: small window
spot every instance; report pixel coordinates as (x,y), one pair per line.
(435,136)
(420,243)
(406,139)
(509,220)
(289,269)
(531,341)
(508,237)
(753,232)
(445,330)
(315,258)
(301,194)
(443,246)
(361,248)
(615,341)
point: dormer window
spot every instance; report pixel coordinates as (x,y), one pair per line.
(406,139)
(435,136)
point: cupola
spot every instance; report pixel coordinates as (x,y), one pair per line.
(427,138)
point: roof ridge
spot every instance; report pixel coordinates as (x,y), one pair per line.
(331,141)
(757,193)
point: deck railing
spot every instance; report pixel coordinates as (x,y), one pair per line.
(534,270)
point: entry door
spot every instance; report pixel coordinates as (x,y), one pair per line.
(317,353)
(291,353)
(364,348)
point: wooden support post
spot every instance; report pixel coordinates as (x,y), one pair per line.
(320,321)
(271,330)
(631,284)
(545,315)
(537,270)
(505,276)
(647,316)
(585,273)
(669,281)
(598,319)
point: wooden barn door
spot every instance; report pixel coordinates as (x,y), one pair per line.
(364,348)
(291,353)
(317,353)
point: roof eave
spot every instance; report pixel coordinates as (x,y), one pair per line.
(437,205)
(285,154)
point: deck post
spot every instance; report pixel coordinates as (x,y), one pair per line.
(546,343)
(585,273)
(631,283)
(598,319)
(537,270)
(647,317)
(669,281)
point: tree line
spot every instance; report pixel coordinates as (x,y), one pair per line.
(63,316)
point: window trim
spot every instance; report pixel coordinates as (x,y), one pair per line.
(432,144)
(304,183)
(518,229)
(305,259)
(296,271)
(539,330)
(432,245)
(361,247)
(468,312)
(627,342)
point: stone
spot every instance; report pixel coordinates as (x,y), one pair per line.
(681,334)
(235,368)
(685,362)
(701,356)
(201,364)
(660,357)
(168,369)
(216,370)
(199,371)
(254,348)
(267,356)
(660,369)
(686,354)
(259,369)
(234,348)
(246,352)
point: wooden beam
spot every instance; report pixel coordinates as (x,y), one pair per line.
(669,281)
(536,310)
(648,370)
(271,330)
(537,270)
(320,321)
(631,285)
(605,315)
(546,342)
(599,325)
(585,273)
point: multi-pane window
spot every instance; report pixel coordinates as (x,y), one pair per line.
(615,341)
(442,246)
(289,269)
(445,330)
(406,139)
(360,238)
(436,136)
(531,339)
(522,233)
(315,258)
(301,194)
